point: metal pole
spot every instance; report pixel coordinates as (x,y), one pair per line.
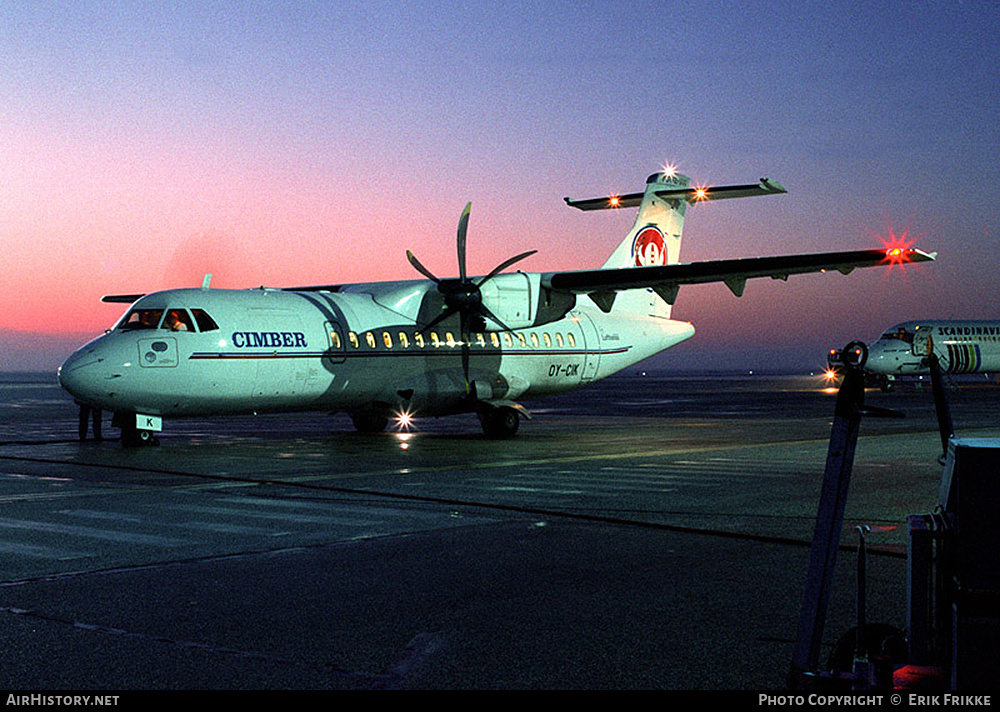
(830,515)
(941,407)
(863,665)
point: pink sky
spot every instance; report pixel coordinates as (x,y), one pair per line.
(146,145)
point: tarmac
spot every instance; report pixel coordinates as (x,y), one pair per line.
(646,533)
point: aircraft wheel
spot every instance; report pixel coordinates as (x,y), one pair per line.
(138,438)
(500,422)
(368,422)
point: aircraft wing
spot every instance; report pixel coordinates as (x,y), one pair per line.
(665,280)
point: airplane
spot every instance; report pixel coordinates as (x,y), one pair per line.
(430,347)
(962,347)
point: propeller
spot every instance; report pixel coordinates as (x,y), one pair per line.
(463,296)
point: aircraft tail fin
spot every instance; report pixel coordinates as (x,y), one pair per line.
(655,237)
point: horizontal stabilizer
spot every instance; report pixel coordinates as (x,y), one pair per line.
(608,202)
(689,195)
(121,298)
(693,195)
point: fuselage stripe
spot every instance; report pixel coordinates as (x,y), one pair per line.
(450,351)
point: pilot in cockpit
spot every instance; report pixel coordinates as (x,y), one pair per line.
(176,321)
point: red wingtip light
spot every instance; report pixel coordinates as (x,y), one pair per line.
(897,249)
(614,201)
(700,192)
(897,256)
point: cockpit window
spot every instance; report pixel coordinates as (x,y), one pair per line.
(901,334)
(178,320)
(205,322)
(142,319)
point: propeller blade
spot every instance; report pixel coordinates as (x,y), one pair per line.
(463,227)
(484,310)
(420,268)
(462,296)
(504,265)
(438,319)
(465,349)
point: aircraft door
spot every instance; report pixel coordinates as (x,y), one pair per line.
(591,346)
(334,342)
(922,342)
(954,355)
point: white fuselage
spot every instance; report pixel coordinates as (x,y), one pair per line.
(360,349)
(423,347)
(961,347)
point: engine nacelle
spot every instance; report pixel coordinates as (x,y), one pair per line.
(519,301)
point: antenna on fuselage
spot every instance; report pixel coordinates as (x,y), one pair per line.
(207,281)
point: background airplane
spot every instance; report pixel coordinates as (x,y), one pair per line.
(962,347)
(425,347)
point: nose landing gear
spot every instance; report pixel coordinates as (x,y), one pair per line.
(132,434)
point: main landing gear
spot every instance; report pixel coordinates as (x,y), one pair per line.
(499,422)
(367,421)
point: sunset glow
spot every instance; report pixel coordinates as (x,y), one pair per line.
(147,144)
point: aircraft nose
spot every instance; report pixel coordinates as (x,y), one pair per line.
(80,373)
(876,351)
(883,357)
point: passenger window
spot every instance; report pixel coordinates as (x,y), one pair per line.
(177,320)
(335,338)
(353,338)
(404,340)
(521,340)
(418,339)
(508,339)
(449,339)
(387,339)
(534,339)
(142,319)
(494,339)
(370,339)
(204,321)
(547,339)
(481,340)
(435,341)
(570,339)
(559,339)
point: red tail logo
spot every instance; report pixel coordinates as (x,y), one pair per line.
(649,248)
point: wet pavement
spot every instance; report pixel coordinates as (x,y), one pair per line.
(648,532)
